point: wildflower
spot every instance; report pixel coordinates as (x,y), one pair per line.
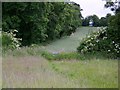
(97,40)
(17,45)
(117,51)
(116,45)
(104,38)
(88,36)
(92,38)
(108,50)
(14,35)
(113,42)
(91,44)
(15,30)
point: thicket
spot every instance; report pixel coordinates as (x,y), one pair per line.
(39,22)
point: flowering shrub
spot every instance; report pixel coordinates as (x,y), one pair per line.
(99,42)
(9,41)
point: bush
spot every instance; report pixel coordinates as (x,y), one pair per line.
(99,42)
(9,41)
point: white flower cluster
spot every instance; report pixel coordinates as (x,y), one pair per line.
(14,41)
(116,47)
(91,40)
(99,41)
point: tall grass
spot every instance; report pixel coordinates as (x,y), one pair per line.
(94,73)
(32,72)
(25,68)
(37,72)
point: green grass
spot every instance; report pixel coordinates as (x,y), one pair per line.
(32,72)
(37,72)
(70,43)
(25,68)
(63,55)
(89,73)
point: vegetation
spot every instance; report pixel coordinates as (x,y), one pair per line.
(9,41)
(93,73)
(62,56)
(28,70)
(106,40)
(99,41)
(40,22)
(103,21)
(32,24)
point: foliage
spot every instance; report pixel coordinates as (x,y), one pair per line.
(40,22)
(103,21)
(114,28)
(100,42)
(107,40)
(114,5)
(94,18)
(9,41)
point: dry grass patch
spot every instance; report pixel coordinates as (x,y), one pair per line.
(32,72)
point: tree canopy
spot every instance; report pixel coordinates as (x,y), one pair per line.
(39,22)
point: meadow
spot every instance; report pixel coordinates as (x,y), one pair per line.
(26,68)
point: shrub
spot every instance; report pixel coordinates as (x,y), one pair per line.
(99,42)
(9,41)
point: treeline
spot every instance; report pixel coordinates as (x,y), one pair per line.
(38,22)
(103,21)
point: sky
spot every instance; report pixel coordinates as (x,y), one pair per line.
(91,7)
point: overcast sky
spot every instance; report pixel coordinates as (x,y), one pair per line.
(91,7)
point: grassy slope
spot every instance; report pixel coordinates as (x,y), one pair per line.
(70,43)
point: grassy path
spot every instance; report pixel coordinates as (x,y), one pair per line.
(37,72)
(70,43)
(32,72)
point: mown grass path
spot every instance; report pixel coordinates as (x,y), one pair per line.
(70,43)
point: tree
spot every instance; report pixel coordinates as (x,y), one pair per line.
(91,17)
(40,22)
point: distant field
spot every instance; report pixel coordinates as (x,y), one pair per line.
(70,43)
